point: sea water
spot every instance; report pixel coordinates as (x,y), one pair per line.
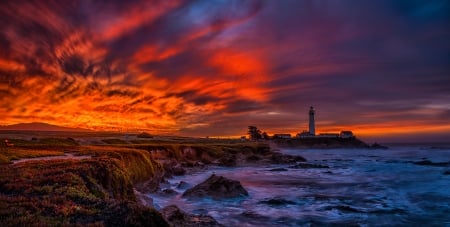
(360,187)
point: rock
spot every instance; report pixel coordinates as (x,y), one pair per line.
(377,146)
(217,187)
(344,209)
(252,158)
(169,191)
(177,217)
(252,215)
(152,185)
(228,160)
(277,202)
(178,170)
(447,172)
(182,185)
(308,166)
(278,169)
(278,158)
(143,199)
(430,163)
(172,168)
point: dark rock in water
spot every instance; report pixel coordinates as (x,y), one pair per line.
(447,172)
(277,202)
(430,163)
(177,217)
(173,168)
(278,169)
(228,160)
(388,211)
(278,158)
(252,158)
(144,199)
(182,185)
(178,171)
(378,146)
(308,166)
(344,209)
(169,191)
(439,148)
(254,216)
(217,187)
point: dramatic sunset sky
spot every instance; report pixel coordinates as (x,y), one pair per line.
(211,68)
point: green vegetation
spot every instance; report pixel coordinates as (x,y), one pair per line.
(95,191)
(7,154)
(52,141)
(70,192)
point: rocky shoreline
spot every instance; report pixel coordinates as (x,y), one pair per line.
(191,160)
(127,173)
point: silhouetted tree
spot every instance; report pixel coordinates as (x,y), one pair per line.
(254,133)
(265,136)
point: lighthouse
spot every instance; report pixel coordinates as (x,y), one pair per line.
(312,127)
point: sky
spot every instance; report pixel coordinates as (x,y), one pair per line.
(213,67)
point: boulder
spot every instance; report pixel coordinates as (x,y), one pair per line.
(182,185)
(278,158)
(228,160)
(278,169)
(169,191)
(252,158)
(176,217)
(430,163)
(217,187)
(178,170)
(378,146)
(308,166)
(172,168)
(277,202)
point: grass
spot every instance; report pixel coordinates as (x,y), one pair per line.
(49,141)
(7,154)
(138,163)
(95,191)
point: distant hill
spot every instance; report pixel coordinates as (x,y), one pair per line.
(37,126)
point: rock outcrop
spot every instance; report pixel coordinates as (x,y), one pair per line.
(308,166)
(430,163)
(177,217)
(278,158)
(217,187)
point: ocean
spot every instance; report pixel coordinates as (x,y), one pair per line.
(360,188)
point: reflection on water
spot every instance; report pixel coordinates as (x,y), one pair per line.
(361,187)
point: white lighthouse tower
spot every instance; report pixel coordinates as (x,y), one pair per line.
(312,127)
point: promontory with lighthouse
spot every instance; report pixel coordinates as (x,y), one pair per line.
(309,138)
